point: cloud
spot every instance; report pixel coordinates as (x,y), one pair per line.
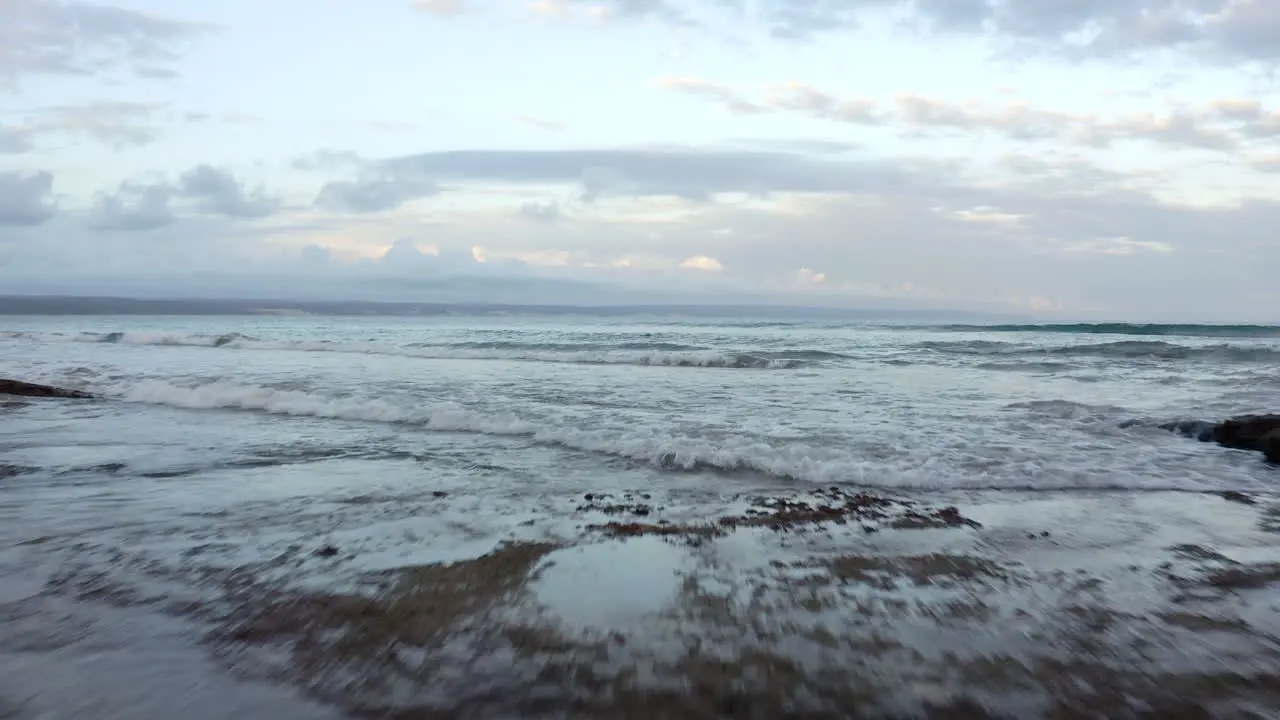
(1227,31)
(117,124)
(26,199)
(64,37)
(374,193)
(544,211)
(15,140)
(548,125)
(441,8)
(1268,164)
(702,262)
(690,173)
(809,100)
(1219,127)
(218,192)
(120,125)
(134,206)
(715,92)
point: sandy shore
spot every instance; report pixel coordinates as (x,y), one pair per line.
(617,604)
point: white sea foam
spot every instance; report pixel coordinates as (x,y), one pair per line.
(631,353)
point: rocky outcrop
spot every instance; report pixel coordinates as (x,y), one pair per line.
(25,389)
(1260,433)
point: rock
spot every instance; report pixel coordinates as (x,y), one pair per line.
(1260,433)
(1239,497)
(1270,446)
(327,551)
(25,389)
(1247,432)
(1194,429)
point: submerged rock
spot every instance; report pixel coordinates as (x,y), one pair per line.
(1271,446)
(1260,433)
(25,389)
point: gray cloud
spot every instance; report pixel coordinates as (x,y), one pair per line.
(134,206)
(689,173)
(374,193)
(218,192)
(26,198)
(66,37)
(1056,230)
(1227,30)
(14,141)
(544,211)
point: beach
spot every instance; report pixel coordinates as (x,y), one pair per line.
(523,517)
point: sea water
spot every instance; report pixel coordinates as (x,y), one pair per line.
(226,441)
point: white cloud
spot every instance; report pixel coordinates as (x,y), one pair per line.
(441,8)
(702,262)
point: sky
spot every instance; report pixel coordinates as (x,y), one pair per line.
(1064,159)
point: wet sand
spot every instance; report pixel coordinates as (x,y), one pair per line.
(439,603)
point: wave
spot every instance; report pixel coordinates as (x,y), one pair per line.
(1125,349)
(795,461)
(660,354)
(799,462)
(1183,330)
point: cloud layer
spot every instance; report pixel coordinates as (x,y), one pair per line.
(712,150)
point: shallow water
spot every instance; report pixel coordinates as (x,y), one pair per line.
(228,451)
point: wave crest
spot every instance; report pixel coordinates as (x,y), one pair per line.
(1122,349)
(630,352)
(1183,330)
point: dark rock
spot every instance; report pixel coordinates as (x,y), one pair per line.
(1239,497)
(1270,446)
(327,551)
(25,389)
(642,510)
(1260,433)
(439,494)
(1249,432)
(1194,429)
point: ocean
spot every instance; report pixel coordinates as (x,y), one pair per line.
(228,440)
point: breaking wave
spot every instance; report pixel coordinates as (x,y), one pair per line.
(1122,349)
(792,461)
(1184,330)
(662,354)
(788,460)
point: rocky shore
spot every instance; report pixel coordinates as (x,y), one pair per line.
(389,589)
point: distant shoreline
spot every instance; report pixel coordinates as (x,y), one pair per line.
(74,305)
